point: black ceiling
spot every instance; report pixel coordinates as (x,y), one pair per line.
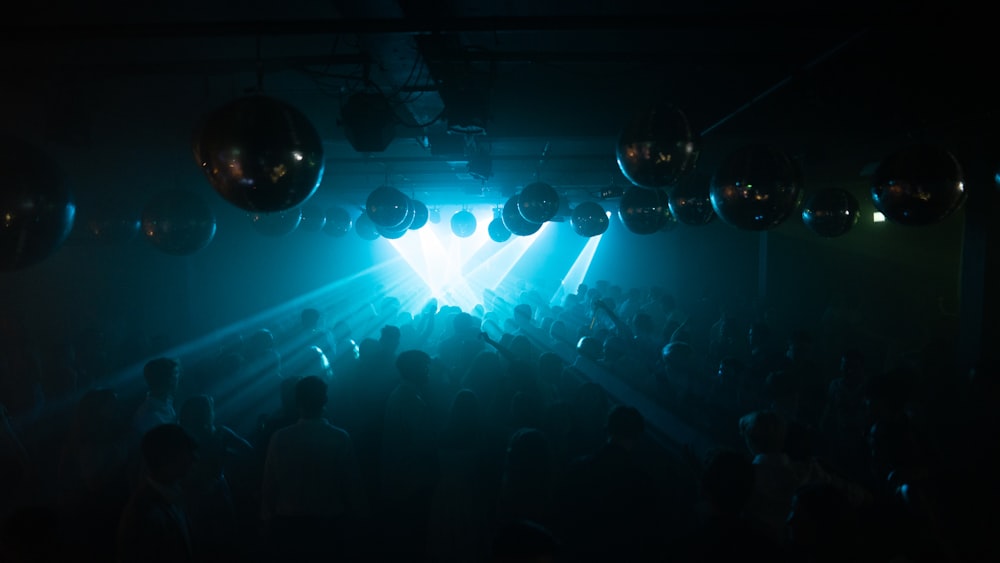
(118,91)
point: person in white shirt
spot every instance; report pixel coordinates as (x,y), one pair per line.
(313,496)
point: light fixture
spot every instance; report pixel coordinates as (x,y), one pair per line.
(877,217)
(463,223)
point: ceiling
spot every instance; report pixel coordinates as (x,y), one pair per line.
(118,91)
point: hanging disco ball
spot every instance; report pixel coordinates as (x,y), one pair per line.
(387,206)
(498,232)
(178,222)
(690,202)
(644,211)
(589,219)
(434,215)
(388,233)
(313,217)
(515,223)
(260,154)
(105,222)
(37,209)
(538,202)
(656,148)
(338,222)
(918,185)
(276,224)
(420,214)
(831,212)
(463,223)
(756,188)
(365,228)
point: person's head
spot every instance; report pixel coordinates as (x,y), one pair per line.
(197,415)
(764,432)
(522,314)
(162,376)
(590,348)
(168,451)
(310,318)
(414,366)
(463,323)
(625,425)
(389,338)
(310,396)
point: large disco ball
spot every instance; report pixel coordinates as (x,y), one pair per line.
(387,206)
(689,201)
(538,202)
(918,185)
(831,212)
(420,214)
(365,228)
(463,223)
(644,211)
(656,148)
(313,217)
(756,188)
(37,209)
(260,154)
(178,222)
(277,224)
(589,219)
(498,232)
(515,223)
(338,222)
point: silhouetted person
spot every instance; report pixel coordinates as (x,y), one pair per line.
(207,490)
(162,376)
(611,508)
(723,533)
(154,526)
(313,496)
(408,458)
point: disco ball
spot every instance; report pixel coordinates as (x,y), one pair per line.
(276,224)
(260,154)
(690,202)
(644,211)
(420,214)
(365,228)
(831,212)
(387,206)
(463,223)
(918,185)
(515,223)
(37,209)
(589,219)
(656,148)
(538,202)
(313,217)
(178,222)
(756,188)
(498,232)
(338,222)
